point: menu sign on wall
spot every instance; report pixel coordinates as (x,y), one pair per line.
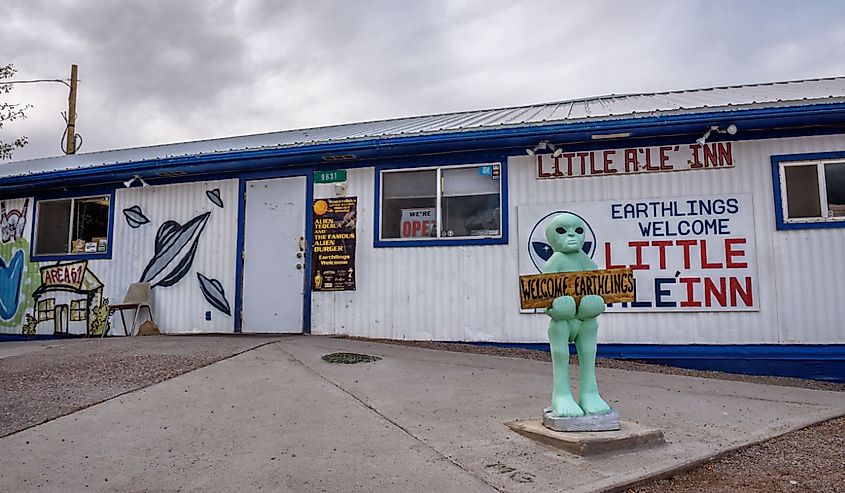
(333,250)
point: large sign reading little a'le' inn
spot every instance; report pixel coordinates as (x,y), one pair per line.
(635,160)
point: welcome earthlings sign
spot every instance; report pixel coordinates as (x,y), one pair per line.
(687,254)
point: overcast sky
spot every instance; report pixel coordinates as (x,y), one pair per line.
(155,72)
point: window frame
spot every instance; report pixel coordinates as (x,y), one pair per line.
(94,193)
(779,163)
(501,238)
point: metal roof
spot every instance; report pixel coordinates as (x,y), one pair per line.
(609,107)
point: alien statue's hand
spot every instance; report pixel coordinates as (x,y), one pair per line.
(591,306)
(562,309)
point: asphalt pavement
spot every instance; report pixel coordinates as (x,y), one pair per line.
(279,418)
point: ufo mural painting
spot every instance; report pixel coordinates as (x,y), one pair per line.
(175,248)
(213,292)
(135,217)
(214,197)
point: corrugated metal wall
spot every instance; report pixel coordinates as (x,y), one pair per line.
(470,293)
(181,307)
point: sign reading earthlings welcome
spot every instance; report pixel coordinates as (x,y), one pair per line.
(688,254)
(539,290)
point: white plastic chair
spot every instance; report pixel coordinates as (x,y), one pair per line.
(137,297)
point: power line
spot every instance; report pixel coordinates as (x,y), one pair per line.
(63,81)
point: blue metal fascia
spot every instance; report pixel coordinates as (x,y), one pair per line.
(316,151)
(824,362)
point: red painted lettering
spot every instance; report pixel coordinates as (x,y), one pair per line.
(710,292)
(631,163)
(540,172)
(690,282)
(686,244)
(648,165)
(569,156)
(557,167)
(608,160)
(705,264)
(583,156)
(736,290)
(661,245)
(593,169)
(710,156)
(639,245)
(730,253)
(608,263)
(664,158)
(725,157)
(696,157)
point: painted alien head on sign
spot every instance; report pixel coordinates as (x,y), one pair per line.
(565,233)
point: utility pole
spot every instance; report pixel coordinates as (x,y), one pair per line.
(70,140)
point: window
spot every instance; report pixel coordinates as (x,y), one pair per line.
(443,203)
(46,310)
(812,191)
(72,226)
(79,310)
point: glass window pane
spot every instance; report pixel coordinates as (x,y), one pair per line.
(470,203)
(834,177)
(90,224)
(53,225)
(408,204)
(802,191)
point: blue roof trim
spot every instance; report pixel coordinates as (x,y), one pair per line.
(480,137)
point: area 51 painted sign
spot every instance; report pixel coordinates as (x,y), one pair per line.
(692,253)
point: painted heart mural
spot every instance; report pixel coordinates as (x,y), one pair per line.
(11,275)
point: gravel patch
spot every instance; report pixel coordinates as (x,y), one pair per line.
(61,378)
(806,460)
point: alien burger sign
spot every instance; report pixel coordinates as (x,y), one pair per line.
(694,253)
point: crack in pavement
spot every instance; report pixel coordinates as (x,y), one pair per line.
(386,418)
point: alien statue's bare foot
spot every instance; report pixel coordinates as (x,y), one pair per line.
(592,403)
(565,405)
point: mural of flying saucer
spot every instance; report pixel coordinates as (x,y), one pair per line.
(214,197)
(175,247)
(135,217)
(214,293)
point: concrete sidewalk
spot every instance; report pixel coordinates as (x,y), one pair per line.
(281,419)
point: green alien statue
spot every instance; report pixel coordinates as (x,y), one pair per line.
(571,323)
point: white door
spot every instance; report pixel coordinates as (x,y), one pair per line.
(274,256)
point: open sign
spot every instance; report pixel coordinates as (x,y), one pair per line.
(418,223)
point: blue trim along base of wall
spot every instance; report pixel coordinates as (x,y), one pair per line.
(37,337)
(815,362)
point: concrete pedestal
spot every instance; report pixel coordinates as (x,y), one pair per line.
(629,435)
(590,422)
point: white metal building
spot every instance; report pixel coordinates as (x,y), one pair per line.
(728,202)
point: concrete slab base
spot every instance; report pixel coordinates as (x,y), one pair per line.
(629,435)
(590,422)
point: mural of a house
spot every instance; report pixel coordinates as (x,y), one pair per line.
(67,297)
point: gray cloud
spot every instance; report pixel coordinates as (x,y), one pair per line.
(157,71)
